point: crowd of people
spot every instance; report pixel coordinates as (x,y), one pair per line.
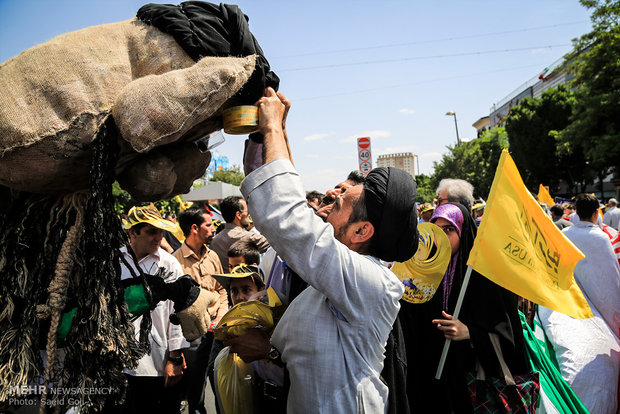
(347,342)
(343,340)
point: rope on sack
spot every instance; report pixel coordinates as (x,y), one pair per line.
(59,285)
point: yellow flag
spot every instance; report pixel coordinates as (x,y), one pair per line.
(544,196)
(518,247)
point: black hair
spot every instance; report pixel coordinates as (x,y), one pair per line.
(246,248)
(311,195)
(360,213)
(356,176)
(138,227)
(586,205)
(556,210)
(258,282)
(193,215)
(229,207)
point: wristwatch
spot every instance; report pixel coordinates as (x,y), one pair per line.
(273,353)
(176,360)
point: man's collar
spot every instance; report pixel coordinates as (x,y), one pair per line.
(187,251)
(581,223)
(125,250)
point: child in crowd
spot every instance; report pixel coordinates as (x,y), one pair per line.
(239,287)
(244,280)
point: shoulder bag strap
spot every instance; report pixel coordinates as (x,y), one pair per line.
(498,351)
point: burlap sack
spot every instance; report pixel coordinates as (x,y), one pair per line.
(57,94)
(156,112)
(164,172)
(159,109)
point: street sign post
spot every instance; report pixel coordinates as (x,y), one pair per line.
(364,155)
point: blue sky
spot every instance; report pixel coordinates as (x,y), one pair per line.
(389,70)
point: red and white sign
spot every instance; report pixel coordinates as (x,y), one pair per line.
(365,167)
(364,155)
(363,143)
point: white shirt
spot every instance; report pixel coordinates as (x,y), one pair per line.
(598,275)
(574,218)
(164,336)
(332,336)
(612,218)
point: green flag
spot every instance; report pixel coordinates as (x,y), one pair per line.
(555,393)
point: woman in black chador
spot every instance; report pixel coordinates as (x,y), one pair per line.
(486,308)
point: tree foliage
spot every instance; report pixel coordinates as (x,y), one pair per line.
(233,176)
(595,64)
(532,128)
(424,191)
(123,202)
(569,134)
(474,161)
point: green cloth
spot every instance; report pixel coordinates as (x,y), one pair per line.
(66,320)
(135,297)
(552,385)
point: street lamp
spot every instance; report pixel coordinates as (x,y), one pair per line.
(452,113)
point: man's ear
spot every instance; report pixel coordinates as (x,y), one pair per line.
(364,230)
(193,229)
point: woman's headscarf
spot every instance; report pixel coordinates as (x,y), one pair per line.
(458,216)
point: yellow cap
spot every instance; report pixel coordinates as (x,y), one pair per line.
(239,272)
(426,208)
(149,215)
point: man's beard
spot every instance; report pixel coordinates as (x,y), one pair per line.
(340,234)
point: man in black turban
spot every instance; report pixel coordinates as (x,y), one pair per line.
(332,337)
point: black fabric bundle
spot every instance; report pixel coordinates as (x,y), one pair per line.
(206,29)
(390,196)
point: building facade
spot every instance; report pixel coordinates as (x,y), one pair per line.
(402,160)
(551,77)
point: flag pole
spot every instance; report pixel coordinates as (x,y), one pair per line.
(457,310)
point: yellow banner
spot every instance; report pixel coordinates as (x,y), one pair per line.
(518,247)
(544,196)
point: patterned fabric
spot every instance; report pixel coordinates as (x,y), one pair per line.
(614,238)
(493,395)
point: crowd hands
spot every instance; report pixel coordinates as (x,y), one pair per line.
(339,284)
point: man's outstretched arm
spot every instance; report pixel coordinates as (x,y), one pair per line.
(271,113)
